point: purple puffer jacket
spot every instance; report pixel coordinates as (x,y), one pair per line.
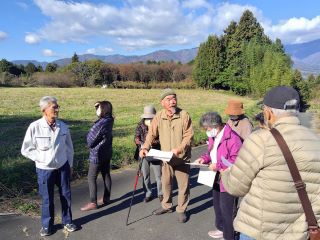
(229,147)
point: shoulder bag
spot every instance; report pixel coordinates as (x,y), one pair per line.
(313,228)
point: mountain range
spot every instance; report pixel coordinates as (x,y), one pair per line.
(305,57)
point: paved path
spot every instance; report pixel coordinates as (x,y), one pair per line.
(109,223)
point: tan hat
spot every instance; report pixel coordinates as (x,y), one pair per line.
(148,112)
(235,107)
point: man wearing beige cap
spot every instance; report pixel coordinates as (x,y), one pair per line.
(174,128)
(237,120)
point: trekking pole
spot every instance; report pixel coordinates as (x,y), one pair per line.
(135,187)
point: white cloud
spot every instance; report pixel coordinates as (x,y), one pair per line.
(296,30)
(48,53)
(32,38)
(100,50)
(3,35)
(154,23)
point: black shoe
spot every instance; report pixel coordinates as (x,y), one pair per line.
(161,210)
(147,199)
(45,232)
(70,227)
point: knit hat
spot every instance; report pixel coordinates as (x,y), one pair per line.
(235,107)
(148,112)
(167,92)
(278,98)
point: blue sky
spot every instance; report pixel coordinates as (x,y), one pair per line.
(46,30)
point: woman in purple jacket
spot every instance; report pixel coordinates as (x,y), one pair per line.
(223,147)
(99,141)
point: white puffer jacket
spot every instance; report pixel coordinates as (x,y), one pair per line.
(271,208)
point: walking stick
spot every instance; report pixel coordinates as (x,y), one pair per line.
(134,188)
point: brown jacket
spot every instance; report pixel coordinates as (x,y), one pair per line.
(176,132)
(243,127)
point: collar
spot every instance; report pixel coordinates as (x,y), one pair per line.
(164,115)
(45,124)
(292,120)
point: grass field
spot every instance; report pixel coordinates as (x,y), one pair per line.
(19,107)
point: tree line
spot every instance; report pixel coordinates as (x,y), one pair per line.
(243,59)
(95,73)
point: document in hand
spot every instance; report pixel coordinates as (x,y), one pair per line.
(198,164)
(206,177)
(154,154)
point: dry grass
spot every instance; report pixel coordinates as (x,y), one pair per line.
(19,107)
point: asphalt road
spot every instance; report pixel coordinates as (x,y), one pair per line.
(109,222)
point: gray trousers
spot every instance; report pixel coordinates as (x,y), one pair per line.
(145,169)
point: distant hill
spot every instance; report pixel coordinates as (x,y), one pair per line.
(305,56)
(35,62)
(182,56)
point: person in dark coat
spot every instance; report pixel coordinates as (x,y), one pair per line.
(99,141)
(140,137)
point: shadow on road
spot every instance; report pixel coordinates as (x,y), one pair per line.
(139,197)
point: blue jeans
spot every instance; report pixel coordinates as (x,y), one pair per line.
(46,180)
(245,237)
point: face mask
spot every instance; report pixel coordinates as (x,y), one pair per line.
(213,133)
(234,117)
(147,122)
(98,111)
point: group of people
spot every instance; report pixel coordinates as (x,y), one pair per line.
(254,196)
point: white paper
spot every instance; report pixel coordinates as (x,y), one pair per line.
(206,177)
(198,164)
(154,154)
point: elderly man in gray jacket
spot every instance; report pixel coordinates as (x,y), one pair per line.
(271,208)
(48,143)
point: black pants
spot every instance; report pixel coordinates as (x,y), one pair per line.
(224,207)
(94,169)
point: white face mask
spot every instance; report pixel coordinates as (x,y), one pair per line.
(98,111)
(147,122)
(212,133)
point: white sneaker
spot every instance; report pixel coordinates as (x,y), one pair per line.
(215,234)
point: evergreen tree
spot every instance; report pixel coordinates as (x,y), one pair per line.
(75,58)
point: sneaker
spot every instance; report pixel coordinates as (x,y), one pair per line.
(147,199)
(216,234)
(161,210)
(45,232)
(89,206)
(160,198)
(70,227)
(182,217)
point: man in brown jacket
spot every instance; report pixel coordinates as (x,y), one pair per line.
(174,128)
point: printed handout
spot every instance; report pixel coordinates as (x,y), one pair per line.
(154,155)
